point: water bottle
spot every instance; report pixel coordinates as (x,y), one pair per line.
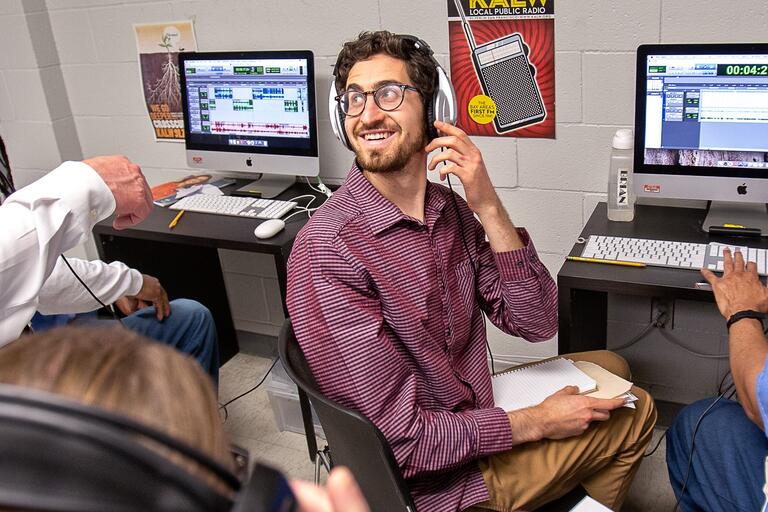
(621,197)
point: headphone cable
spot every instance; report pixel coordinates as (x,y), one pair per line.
(108,308)
(475,266)
(693,445)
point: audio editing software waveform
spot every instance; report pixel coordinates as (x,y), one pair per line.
(260,128)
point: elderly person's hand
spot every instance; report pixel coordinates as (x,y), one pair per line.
(740,287)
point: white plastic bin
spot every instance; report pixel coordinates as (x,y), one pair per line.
(284,398)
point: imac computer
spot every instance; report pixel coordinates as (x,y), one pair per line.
(252,114)
(701,130)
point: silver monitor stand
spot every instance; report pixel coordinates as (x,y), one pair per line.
(268,186)
(748,217)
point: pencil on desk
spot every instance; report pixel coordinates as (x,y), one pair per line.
(176,219)
(607,262)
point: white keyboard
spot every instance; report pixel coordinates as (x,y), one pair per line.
(663,253)
(234,206)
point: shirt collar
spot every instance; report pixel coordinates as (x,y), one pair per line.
(381,213)
(435,202)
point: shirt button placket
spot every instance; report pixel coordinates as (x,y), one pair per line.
(443,292)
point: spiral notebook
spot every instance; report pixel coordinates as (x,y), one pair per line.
(528,385)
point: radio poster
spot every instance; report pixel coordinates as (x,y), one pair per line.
(503,66)
(158,45)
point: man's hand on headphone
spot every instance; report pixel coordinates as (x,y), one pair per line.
(464,160)
(340,494)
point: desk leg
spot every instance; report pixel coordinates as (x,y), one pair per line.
(282,279)
(583,320)
(185,271)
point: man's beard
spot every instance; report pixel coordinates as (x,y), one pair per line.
(393,159)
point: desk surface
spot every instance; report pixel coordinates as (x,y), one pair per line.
(210,230)
(191,249)
(654,222)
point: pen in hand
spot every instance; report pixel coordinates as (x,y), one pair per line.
(176,219)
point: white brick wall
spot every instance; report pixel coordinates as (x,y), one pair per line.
(95,54)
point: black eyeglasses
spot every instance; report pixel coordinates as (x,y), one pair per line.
(387,97)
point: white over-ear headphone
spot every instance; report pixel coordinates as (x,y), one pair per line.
(441,107)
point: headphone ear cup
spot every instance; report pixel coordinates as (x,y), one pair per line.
(429,118)
(340,117)
(444,101)
(337,116)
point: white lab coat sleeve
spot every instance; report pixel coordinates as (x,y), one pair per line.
(63,293)
(37,224)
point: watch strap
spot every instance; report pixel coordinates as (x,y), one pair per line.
(747,313)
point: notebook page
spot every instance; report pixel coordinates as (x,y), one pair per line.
(608,384)
(530,385)
(590,505)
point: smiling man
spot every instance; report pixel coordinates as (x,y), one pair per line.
(387,287)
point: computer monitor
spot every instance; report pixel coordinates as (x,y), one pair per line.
(251,113)
(701,129)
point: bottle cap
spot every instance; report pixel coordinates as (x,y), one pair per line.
(623,139)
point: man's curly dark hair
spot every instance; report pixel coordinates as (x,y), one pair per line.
(421,69)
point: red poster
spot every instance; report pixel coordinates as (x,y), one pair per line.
(503,66)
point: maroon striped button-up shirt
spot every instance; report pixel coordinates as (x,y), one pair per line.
(388,312)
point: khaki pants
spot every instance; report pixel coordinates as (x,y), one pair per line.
(604,459)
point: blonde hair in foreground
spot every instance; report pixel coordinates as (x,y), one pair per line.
(125,373)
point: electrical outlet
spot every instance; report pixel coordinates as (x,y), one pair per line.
(663,310)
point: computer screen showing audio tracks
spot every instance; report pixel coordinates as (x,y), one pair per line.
(707,111)
(253,104)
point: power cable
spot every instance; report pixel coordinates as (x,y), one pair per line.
(693,445)
(241,395)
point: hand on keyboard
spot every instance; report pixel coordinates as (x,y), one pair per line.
(740,288)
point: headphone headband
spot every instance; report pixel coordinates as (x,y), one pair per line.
(59,451)
(417,43)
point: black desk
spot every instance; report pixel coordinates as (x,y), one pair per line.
(583,287)
(186,259)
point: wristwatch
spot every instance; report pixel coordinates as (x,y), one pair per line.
(747,313)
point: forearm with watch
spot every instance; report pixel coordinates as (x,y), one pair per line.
(748,348)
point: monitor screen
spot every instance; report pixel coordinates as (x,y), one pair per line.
(251,105)
(702,110)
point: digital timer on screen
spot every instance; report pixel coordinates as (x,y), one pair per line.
(742,69)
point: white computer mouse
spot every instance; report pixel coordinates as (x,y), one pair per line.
(269,228)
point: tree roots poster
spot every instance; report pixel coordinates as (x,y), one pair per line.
(159,45)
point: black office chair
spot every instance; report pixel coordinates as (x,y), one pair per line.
(353,441)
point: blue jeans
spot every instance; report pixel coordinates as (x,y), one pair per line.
(727,472)
(189,329)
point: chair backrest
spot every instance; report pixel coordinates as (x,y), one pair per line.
(354,440)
